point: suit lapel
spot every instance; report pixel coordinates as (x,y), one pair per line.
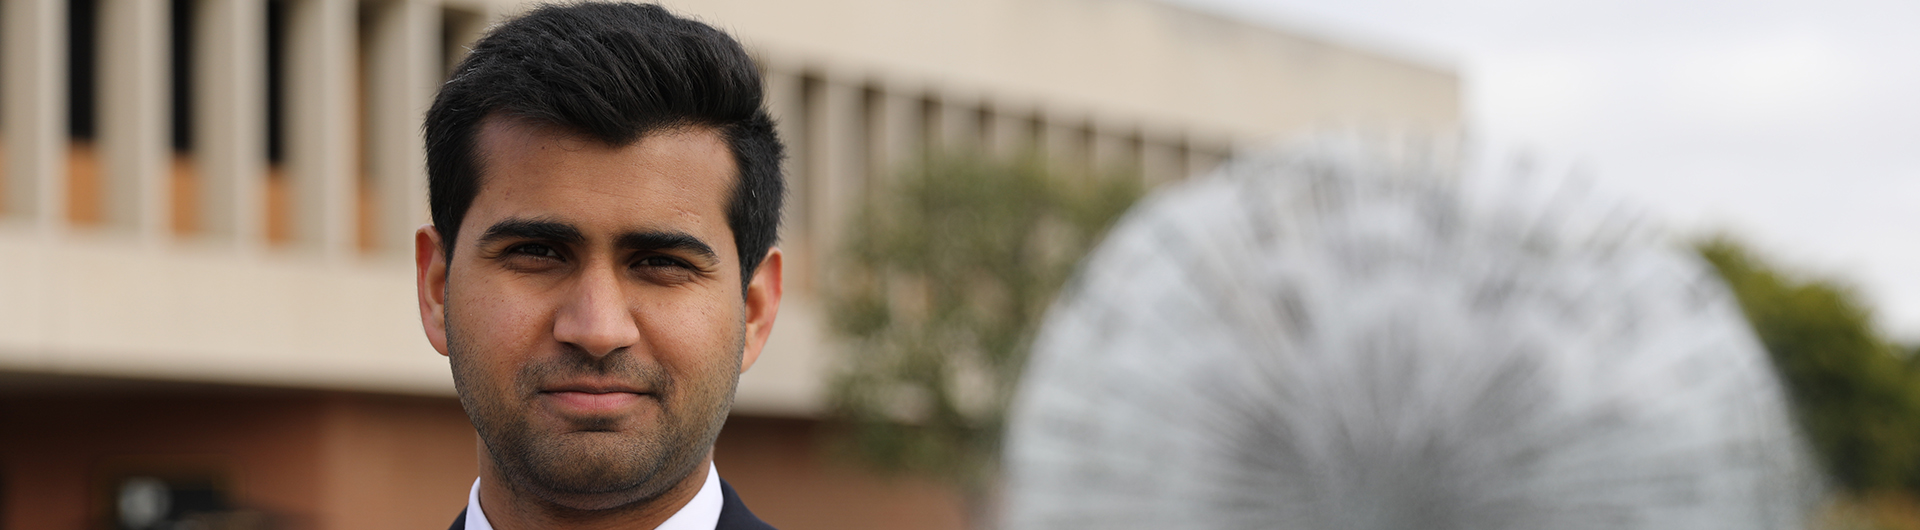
(734,514)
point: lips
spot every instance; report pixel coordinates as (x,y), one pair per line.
(590,398)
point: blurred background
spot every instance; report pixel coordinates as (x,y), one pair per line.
(207,309)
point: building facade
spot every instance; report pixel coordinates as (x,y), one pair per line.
(206,209)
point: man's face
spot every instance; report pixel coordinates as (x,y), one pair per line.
(592,309)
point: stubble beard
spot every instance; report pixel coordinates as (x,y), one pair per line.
(602,463)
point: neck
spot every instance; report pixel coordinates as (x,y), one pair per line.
(510,506)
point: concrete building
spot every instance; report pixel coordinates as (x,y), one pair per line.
(206,209)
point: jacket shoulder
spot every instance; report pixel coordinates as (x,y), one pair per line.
(734,514)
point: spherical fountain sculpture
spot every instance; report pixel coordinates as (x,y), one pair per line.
(1329,340)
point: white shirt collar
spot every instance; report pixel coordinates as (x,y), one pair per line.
(701,513)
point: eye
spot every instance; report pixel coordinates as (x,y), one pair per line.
(538,250)
(660,262)
(663,270)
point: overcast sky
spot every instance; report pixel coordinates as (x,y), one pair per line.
(1794,125)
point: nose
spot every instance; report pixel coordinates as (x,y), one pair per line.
(595,316)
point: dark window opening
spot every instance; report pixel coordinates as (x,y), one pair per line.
(182,40)
(276,80)
(83,22)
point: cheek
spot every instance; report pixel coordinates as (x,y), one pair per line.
(695,335)
(494,325)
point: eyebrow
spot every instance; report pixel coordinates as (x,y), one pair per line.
(655,240)
(541,229)
(560,232)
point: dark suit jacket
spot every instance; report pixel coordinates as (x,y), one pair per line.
(733,514)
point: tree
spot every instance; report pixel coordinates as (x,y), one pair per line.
(948,271)
(1854,395)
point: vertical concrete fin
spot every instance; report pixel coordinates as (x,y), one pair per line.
(134,105)
(403,69)
(35,95)
(320,114)
(230,80)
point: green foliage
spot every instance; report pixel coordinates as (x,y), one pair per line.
(1855,395)
(948,271)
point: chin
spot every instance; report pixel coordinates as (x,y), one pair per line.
(599,470)
(595,502)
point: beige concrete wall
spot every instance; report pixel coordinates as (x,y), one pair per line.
(1114,61)
(103,304)
(267,286)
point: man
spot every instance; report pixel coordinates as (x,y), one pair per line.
(606,191)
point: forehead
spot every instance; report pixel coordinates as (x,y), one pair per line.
(676,178)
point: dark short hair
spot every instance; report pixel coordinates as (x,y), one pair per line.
(614,72)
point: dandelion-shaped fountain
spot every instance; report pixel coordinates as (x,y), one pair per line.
(1331,341)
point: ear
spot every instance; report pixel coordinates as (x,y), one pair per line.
(430,274)
(763,303)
